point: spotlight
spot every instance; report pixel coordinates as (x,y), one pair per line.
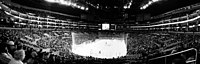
(86,8)
(52,1)
(78,6)
(125,7)
(155,0)
(82,8)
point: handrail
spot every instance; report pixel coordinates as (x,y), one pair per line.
(176,54)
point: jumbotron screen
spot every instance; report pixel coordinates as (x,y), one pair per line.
(99,45)
(105,26)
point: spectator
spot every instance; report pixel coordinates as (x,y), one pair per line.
(33,58)
(20,48)
(5,56)
(51,59)
(18,56)
(11,47)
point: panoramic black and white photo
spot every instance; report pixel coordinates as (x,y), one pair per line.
(99,31)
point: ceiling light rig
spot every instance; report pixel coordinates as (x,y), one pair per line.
(95,6)
(99,6)
(148,4)
(128,5)
(68,3)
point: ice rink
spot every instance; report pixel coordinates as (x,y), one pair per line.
(101,48)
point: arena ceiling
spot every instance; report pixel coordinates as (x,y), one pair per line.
(108,10)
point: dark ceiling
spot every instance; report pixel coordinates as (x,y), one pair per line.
(110,9)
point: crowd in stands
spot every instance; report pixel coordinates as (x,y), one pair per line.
(152,45)
(57,41)
(16,53)
(179,10)
(178,17)
(140,45)
(33,11)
